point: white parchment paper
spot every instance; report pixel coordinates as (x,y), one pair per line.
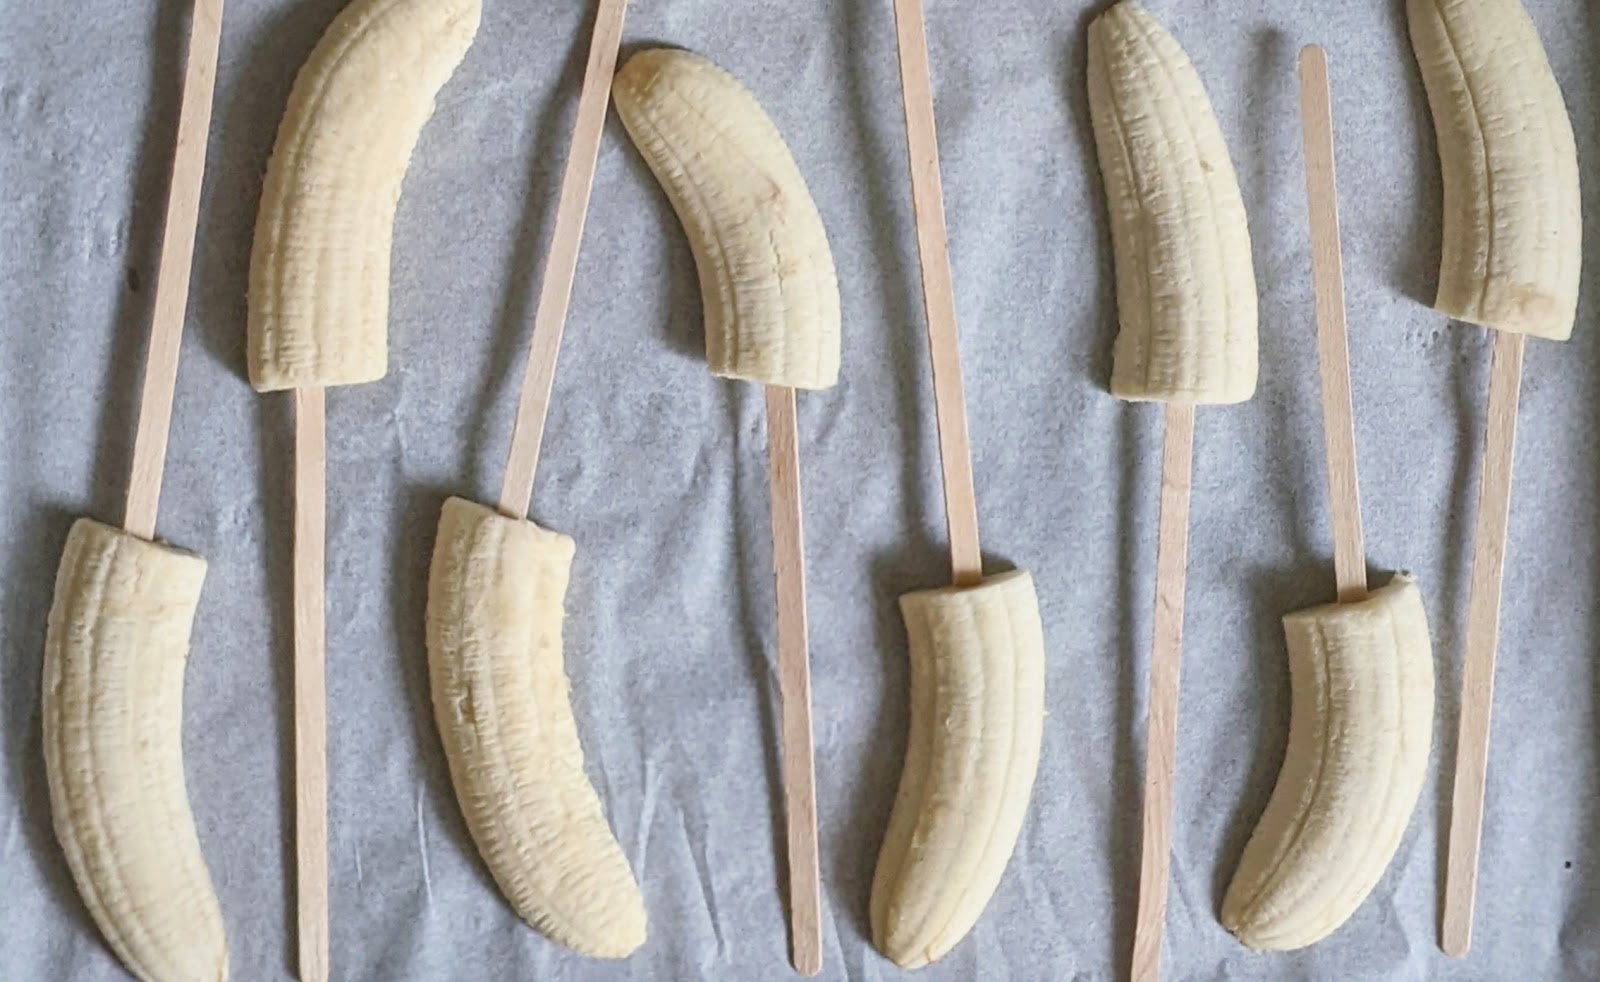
(658,471)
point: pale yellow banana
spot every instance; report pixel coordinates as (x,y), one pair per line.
(495,595)
(766,273)
(319,269)
(1360,733)
(1186,291)
(1513,230)
(977,717)
(114,655)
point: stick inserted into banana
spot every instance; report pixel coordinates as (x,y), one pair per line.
(319,311)
(1512,249)
(1186,302)
(496,593)
(772,316)
(1361,669)
(976,647)
(117,643)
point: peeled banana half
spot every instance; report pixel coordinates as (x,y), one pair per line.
(495,594)
(1513,231)
(1360,734)
(977,719)
(319,268)
(115,650)
(766,272)
(1186,291)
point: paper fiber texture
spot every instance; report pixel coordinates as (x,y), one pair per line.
(658,471)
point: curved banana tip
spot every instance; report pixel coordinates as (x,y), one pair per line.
(112,704)
(977,715)
(500,699)
(1360,734)
(643,67)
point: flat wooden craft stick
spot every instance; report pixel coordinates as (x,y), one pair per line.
(1483,633)
(561,265)
(310,690)
(938,295)
(794,681)
(1333,350)
(172,275)
(1172,553)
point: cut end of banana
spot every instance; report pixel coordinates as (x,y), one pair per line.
(500,697)
(1186,291)
(977,719)
(1513,229)
(114,658)
(766,273)
(319,268)
(1360,734)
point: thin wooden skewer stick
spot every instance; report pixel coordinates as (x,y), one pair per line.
(561,266)
(1333,350)
(938,295)
(310,690)
(172,275)
(794,681)
(1483,632)
(1172,556)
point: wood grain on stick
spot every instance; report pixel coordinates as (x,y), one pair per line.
(1333,349)
(561,263)
(310,690)
(172,275)
(938,294)
(1172,554)
(794,680)
(1483,632)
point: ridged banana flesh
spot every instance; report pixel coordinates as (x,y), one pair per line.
(319,269)
(114,656)
(766,272)
(500,697)
(1513,229)
(1360,733)
(1186,290)
(977,718)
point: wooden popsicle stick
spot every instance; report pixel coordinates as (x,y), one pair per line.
(938,295)
(1333,350)
(794,681)
(1172,552)
(310,690)
(1483,632)
(561,265)
(172,274)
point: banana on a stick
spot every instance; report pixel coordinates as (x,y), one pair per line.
(1186,307)
(1510,261)
(319,312)
(494,635)
(771,302)
(117,641)
(115,651)
(1361,670)
(976,647)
